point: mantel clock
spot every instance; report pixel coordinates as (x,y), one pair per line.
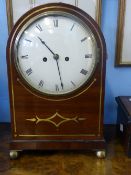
(56,58)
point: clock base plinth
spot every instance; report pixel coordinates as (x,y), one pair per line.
(93,145)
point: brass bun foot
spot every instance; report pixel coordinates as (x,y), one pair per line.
(101,154)
(14,154)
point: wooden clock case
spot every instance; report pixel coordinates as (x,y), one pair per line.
(43,122)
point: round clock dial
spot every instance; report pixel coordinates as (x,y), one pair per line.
(55,53)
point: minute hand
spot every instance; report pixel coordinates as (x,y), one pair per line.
(43,42)
(59,73)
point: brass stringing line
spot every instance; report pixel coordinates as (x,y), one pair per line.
(49,119)
(12,91)
(71,135)
(58,99)
(100,98)
(38,120)
(26,19)
(13,108)
(100,90)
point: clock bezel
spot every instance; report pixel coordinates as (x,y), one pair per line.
(64,8)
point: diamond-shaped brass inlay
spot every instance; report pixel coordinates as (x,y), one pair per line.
(56,119)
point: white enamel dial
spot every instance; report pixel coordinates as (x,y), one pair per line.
(56,54)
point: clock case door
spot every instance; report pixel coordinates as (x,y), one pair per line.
(73,121)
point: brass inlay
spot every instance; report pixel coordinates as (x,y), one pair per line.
(101,88)
(59,135)
(63,119)
(13,105)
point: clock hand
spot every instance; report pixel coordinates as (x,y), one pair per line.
(56,57)
(43,42)
(59,73)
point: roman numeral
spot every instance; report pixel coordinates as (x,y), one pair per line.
(41,83)
(55,22)
(29,71)
(88,55)
(73,83)
(28,40)
(39,27)
(72,27)
(85,38)
(83,71)
(56,87)
(24,57)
